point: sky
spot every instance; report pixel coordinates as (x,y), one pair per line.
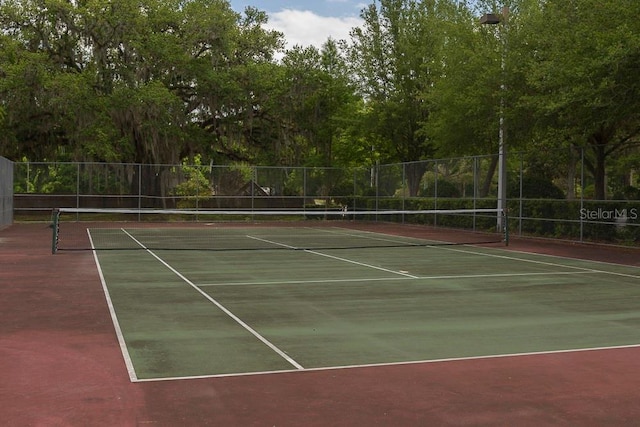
(309,22)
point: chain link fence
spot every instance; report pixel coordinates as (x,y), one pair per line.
(44,186)
(538,205)
(6,192)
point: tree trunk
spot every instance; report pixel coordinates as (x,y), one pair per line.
(571,173)
(486,185)
(414,172)
(599,174)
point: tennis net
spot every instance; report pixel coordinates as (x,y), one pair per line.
(227,230)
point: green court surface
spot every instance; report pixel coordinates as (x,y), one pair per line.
(281,299)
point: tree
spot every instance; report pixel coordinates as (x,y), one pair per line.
(315,97)
(158,81)
(464,99)
(148,82)
(394,56)
(234,89)
(583,75)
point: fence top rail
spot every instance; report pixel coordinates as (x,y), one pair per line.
(319,211)
(175,165)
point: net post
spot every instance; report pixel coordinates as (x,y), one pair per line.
(505,229)
(55,215)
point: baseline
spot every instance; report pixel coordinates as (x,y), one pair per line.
(405,363)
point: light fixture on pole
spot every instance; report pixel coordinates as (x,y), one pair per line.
(494,19)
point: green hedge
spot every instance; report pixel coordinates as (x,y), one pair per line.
(596,221)
(479,222)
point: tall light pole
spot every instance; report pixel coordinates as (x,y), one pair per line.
(493,19)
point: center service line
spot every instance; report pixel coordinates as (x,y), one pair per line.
(336,257)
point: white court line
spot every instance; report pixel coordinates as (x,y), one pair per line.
(554,264)
(220,306)
(612,264)
(583,270)
(512,258)
(123,346)
(367,235)
(405,363)
(388,279)
(336,257)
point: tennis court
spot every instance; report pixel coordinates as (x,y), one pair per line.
(260,299)
(315,323)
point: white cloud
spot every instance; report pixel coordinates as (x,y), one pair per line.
(304,28)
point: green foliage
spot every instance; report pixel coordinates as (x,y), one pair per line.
(144,82)
(394,55)
(599,221)
(195,186)
(581,76)
(443,188)
(465,100)
(535,187)
(50,178)
(159,81)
